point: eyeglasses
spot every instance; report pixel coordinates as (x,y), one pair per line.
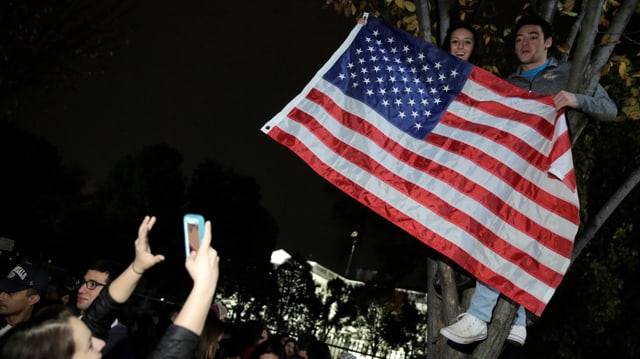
(90,284)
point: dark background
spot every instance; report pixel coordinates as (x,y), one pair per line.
(203,77)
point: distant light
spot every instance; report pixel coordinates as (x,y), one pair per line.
(162,299)
(354,234)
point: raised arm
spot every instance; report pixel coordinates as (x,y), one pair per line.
(122,287)
(203,267)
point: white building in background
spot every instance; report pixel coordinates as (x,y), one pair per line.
(322,275)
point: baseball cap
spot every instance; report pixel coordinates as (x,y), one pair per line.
(24,276)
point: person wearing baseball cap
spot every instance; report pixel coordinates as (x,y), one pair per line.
(20,291)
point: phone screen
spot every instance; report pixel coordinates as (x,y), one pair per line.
(193,232)
(194,236)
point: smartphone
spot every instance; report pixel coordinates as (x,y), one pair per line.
(193,232)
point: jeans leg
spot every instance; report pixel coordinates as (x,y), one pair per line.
(483,301)
(521,317)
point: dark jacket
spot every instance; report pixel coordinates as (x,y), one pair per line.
(176,343)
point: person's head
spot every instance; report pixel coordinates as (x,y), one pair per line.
(25,285)
(53,332)
(212,334)
(534,37)
(253,332)
(268,349)
(460,41)
(99,274)
(290,347)
(318,350)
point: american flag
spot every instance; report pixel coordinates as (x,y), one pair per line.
(470,165)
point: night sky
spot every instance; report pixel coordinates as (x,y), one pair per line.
(204,77)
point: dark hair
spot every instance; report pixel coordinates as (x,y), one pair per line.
(112,267)
(270,346)
(547,31)
(318,350)
(209,344)
(47,335)
(446,45)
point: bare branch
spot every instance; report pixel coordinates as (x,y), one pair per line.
(604,213)
(424,20)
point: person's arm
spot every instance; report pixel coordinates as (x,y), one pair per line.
(104,309)
(123,286)
(203,267)
(599,106)
(182,337)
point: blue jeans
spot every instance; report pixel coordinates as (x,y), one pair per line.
(483,301)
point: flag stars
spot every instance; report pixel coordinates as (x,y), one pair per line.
(426,67)
(412,102)
(442,77)
(390,40)
(401,114)
(438,65)
(371,49)
(407,90)
(417,126)
(342,76)
(376,68)
(446,88)
(370,92)
(351,65)
(395,90)
(433,91)
(405,48)
(437,100)
(454,73)
(382,91)
(358,51)
(414,114)
(385,103)
(398,102)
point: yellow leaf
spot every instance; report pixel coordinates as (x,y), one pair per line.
(486,40)
(506,31)
(410,6)
(622,70)
(463,16)
(400,3)
(614,3)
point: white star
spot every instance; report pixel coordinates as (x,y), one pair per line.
(405,48)
(382,91)
(417,126)
(441,77)
(401,114)
(454,73)
(358,51)
(351,65)
(427,113)
(446,88)
(370,92)
(438,65)
(385,103)
(412,102)
(414,114)
(342,76)
(366,80)
(437,100)
(398,102)
(407,89)
(433,91)
(395,90)
(376,68)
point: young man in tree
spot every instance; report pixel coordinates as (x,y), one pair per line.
(540,74)
(23,288)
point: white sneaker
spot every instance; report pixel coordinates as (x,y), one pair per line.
(467,329)
(517,334)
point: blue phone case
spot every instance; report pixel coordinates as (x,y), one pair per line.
(188,219)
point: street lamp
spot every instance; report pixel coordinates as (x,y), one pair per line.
(353,235)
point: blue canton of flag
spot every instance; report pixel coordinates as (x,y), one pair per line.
(409,82)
